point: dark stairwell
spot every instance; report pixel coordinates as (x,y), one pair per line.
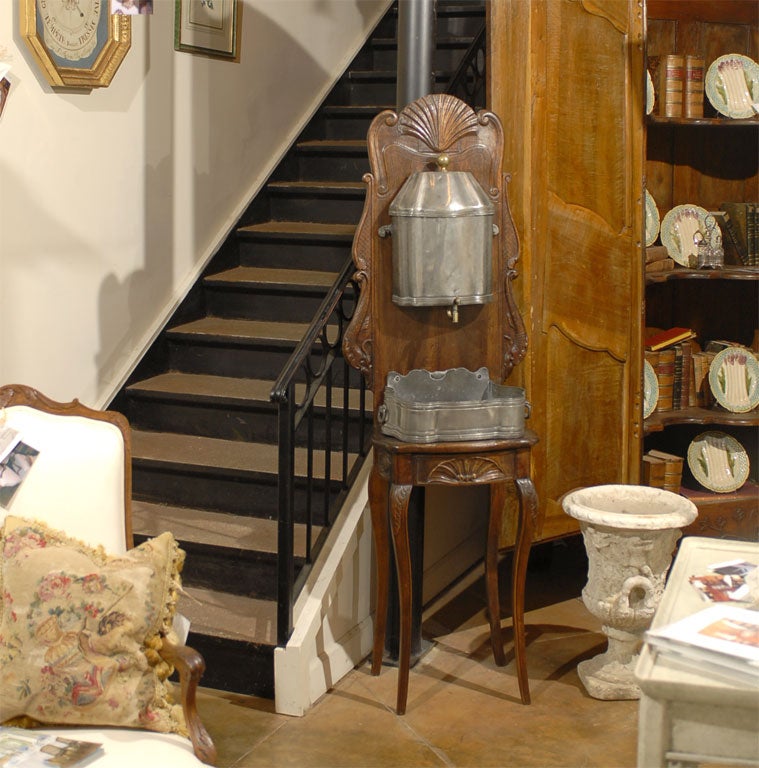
(205,429)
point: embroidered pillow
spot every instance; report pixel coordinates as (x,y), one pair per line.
(79,630)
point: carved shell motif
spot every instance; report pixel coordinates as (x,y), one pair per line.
(438,121)
(468,470)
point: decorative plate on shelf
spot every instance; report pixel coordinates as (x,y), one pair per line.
(734,379)
(650,389)
(650,93)
(718,461)
(732,85)
(652,219)
(681,230)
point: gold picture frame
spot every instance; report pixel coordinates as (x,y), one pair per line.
(79,48)
(210,27)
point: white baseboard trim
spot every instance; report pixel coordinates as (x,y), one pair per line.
(333,615)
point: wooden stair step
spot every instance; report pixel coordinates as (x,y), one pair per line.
(299,230)
(237,331)
(226,616)
(373,76)
(232,457)
(355,189)
(272,278)
(441,41)
(333,146)
(224,390)
(354,110)
(215,529)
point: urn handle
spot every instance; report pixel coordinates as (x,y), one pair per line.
(630,598)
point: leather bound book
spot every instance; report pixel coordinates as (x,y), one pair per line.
(673,469)
(656,253)
(693,87)
(668,338)
(665,265)
(665,375)
(732,240)
(671,85)
(737,211)
(654,471)
(677,384)
(688,392)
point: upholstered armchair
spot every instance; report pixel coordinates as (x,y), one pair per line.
(86,623)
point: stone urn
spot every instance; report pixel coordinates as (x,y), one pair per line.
(630,532)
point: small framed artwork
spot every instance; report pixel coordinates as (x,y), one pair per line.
(207,26)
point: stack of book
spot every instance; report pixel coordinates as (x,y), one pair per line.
(658,259)
(670,354)
(720,641)
(663,470)
(678,84)
(739,223)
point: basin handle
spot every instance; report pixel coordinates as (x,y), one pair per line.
(527,409)
(385,230)
(382,414)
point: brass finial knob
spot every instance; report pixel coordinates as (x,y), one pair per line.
(443,162)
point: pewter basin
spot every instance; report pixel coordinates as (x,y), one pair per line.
(452,405)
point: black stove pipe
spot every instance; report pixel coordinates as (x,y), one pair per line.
(416,46)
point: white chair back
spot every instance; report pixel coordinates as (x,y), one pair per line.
(77,482)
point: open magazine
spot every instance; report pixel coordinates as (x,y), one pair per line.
(723,637)
(16,459)
(32,749)
(723,582)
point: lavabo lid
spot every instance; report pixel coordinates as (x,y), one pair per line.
(441,194)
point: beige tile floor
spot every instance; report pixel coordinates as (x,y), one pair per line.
(462,709)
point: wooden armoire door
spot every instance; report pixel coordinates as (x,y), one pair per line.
(566,77)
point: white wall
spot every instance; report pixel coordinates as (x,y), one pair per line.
(112,201)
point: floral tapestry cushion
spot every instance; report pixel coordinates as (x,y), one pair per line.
(79,630)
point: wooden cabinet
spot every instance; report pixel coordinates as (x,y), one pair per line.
(705,162)
(568,80)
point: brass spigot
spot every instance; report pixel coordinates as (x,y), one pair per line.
(453,310)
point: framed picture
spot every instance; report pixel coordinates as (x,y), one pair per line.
(75,44)
(207,26)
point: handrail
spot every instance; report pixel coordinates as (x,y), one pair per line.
(313,367)
(468,81)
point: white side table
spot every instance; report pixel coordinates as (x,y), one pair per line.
(685,716)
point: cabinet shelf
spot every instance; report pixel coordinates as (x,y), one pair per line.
(659,420)
(723,11)
(721,122)
(683,273)
(733,515)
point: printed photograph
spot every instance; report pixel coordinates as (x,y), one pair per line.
(14,469)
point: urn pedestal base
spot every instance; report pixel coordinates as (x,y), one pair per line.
(610,675)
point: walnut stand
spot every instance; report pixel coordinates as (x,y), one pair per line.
(383,337)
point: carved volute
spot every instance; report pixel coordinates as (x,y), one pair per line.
(384,337)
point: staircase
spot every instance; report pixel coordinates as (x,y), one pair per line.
(205,432)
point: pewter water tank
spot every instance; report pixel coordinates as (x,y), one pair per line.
(442,234)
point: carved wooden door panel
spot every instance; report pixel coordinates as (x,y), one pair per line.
(567,78)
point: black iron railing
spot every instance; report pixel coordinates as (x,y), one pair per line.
(324,437)
(468,82)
